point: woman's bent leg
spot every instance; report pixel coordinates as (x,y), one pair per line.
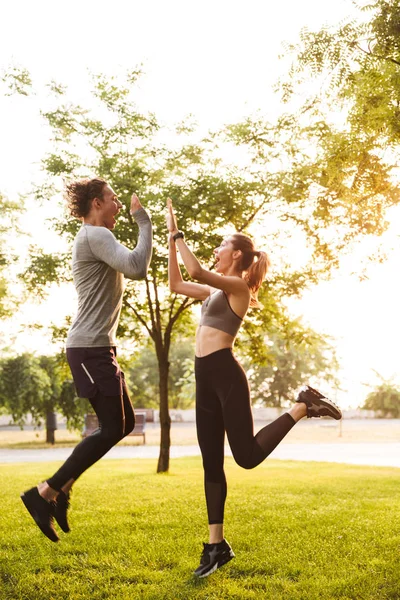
(248,450)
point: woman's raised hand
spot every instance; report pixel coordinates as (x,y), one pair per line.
(171,219)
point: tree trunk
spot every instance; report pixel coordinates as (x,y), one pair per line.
(50,437)
(165,420)
(51,426)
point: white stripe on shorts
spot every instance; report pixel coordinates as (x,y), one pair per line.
(87,372)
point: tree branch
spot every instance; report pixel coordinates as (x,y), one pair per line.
(149,301)
(252,217)
(171,308)
(158,313)
(139,318)
(185,304)
(380,57)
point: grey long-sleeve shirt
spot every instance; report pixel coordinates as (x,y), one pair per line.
(99,263)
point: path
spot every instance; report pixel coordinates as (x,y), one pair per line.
(373,454)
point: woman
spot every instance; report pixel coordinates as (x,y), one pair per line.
(222,392)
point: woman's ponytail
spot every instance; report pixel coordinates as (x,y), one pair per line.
(255,263)
(255,275)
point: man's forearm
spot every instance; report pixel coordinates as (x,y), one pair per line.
(141,256)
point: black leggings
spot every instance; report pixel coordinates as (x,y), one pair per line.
(116,419)
(223,404)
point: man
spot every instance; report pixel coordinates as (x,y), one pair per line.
(99,264)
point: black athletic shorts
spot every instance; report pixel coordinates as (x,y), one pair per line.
(96,370)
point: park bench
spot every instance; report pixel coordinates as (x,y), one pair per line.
(92,423)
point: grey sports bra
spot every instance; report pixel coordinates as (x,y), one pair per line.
(217,312)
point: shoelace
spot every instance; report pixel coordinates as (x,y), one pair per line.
(314,392)
(319,396)
(63,500)
(204,558)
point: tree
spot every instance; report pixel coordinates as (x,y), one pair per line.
(39,386)
(15,80)
(25,387)
(123,148)
(359,62)
(385,400)
(297,355)
(300,179)
(62,396)
(352,119)
(144,380)
(8,222)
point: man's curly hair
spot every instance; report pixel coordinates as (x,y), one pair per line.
(79,195)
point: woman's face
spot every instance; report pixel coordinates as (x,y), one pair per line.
(224,256)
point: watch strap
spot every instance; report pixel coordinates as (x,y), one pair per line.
(178,235)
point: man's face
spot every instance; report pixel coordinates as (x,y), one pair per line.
(109,207)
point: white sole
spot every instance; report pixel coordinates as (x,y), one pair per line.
(216,566)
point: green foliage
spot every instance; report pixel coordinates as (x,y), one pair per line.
(39,386)
(16,80)
(63,395)
(72,407)
(335,185)
(384,400)
(324,173)
(25,387)
(9,212)
(143,376)
(319,183)
(296,356)
(350,122)
(45,269)
(4,309)
(125,152)
(113,140)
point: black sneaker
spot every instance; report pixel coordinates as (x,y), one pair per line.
(41,511)
(317,404)
(60,511)
(213,557)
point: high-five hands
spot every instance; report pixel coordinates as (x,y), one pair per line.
(170,218)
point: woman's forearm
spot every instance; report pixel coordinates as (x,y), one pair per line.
(174,272)
(191,263)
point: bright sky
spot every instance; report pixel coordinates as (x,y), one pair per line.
(217,60)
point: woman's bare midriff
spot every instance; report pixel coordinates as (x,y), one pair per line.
(209,340)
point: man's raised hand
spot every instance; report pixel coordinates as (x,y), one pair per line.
(135,203)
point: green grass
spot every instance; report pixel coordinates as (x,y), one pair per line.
(299,530)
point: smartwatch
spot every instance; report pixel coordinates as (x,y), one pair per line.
(178,235)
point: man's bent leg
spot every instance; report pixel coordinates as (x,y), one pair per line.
(110,413)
